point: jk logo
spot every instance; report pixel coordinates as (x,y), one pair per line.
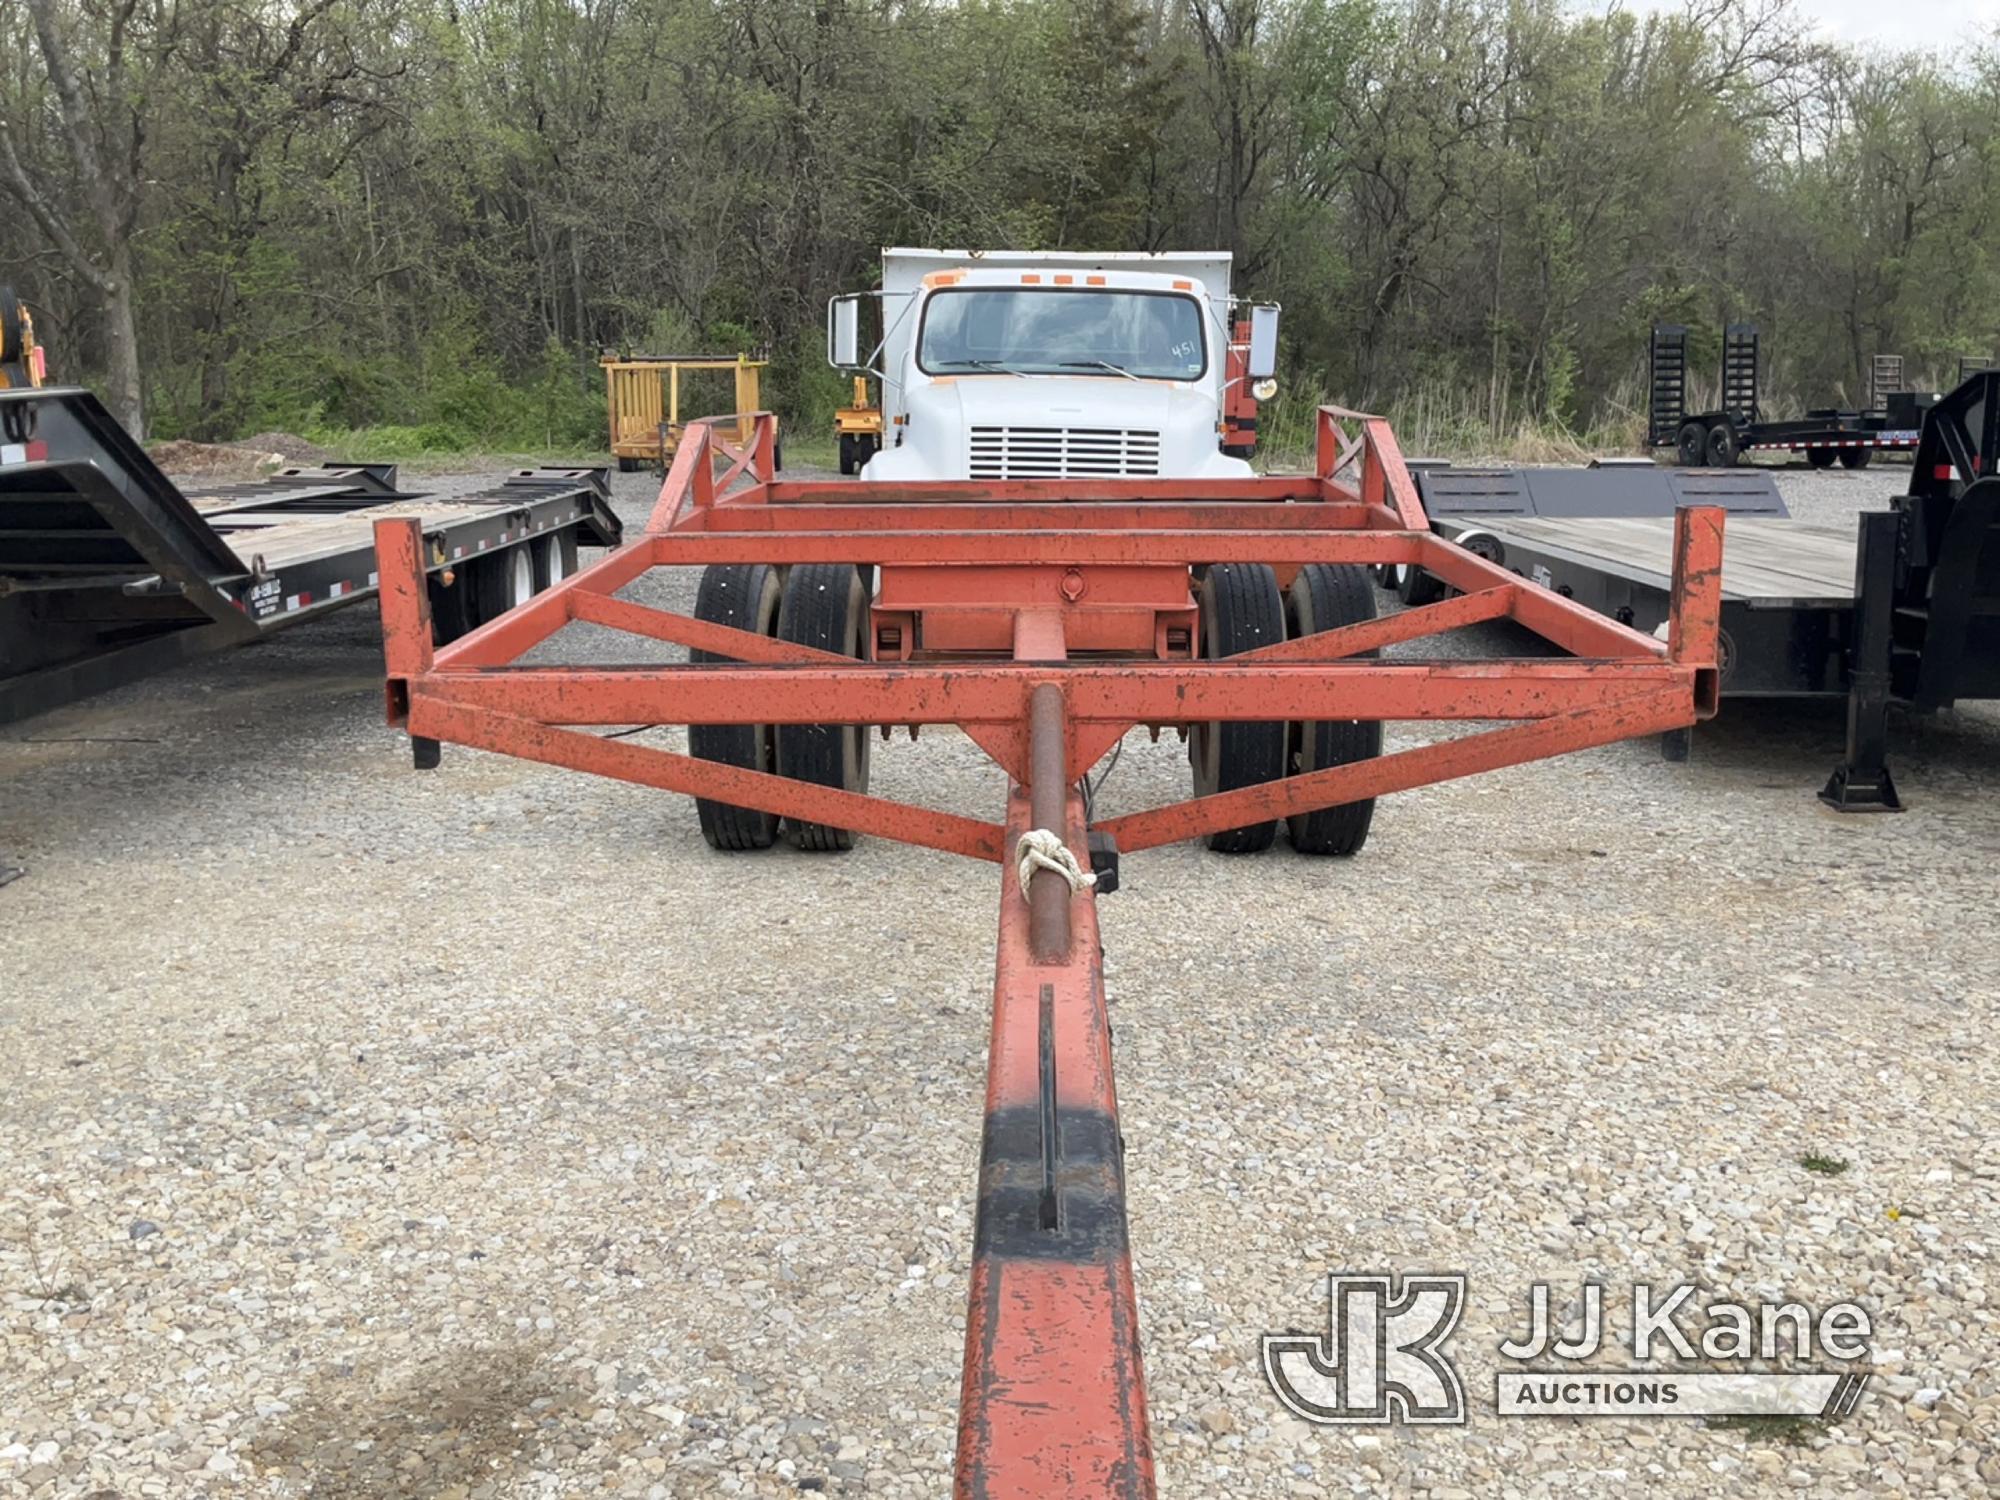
(1379,1359)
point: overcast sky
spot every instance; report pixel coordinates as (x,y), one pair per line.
(1893,23)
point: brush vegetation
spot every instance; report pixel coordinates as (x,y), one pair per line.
(410,226)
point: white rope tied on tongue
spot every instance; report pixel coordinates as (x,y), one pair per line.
(1039,849)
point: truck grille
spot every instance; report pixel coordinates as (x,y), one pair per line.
(1063,452)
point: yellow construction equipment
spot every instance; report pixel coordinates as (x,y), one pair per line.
(21,360)
(643,401)
(859,427)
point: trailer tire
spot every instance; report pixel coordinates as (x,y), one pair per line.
(1855,458)
(1820,458)
(824,605)
(451,607)
(1325,597)
(745,597)
(1723,446)
(848,462)
(555,557)
(1692,445)
(1241,609)
(629,465)
(1415,587)
(500,581)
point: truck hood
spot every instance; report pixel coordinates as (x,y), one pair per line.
(1090,401)
(1049,426)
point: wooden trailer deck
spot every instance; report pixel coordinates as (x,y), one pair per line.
(1769,562)
(283,539)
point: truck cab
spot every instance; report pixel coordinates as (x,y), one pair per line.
(1015,365)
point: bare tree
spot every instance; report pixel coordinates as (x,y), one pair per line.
(101,120)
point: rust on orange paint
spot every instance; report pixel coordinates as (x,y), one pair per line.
(987,588)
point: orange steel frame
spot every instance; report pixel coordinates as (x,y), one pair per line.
(1046,619)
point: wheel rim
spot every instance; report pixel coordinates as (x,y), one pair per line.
(556,570)
(520,577)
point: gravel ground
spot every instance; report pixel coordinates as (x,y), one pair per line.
(481,1133)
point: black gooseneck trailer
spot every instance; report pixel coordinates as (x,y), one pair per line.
(1925,631)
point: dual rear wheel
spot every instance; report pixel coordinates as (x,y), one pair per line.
(1242,608)
(485,588)
(817,604)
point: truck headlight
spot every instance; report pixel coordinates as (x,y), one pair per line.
(1264,389)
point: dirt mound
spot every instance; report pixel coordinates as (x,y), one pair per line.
(215,460)
(295,449)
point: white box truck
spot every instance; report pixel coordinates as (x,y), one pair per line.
(1014,364)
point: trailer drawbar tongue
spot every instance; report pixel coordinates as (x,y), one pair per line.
(1046,618)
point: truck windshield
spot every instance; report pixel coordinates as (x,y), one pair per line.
(1034,331)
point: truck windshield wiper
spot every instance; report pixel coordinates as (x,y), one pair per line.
(988,365)
(1098,364)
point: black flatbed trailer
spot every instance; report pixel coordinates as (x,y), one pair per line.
(1903,610)
(1722,436)
(109,571)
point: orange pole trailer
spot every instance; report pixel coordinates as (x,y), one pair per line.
(1046,618)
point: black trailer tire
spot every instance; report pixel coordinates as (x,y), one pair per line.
(848,463)
(629,465)
(1855,458)
(500,581)
(1820,458)
(1692,447)
(1416,587)
(1723,446)
(1241,609)
(824,605)
(745,597)
(555,557)
(1325,597)
(451,607)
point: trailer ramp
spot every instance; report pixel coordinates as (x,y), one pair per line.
(109,571)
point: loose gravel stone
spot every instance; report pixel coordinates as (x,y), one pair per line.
(493,1138)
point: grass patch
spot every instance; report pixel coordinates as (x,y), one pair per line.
(1825,1166)
(808,449)
(1791,1431)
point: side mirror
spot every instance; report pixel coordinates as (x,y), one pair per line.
(1263,363)
(843,333)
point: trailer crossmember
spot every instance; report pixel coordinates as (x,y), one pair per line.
(1046,619)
